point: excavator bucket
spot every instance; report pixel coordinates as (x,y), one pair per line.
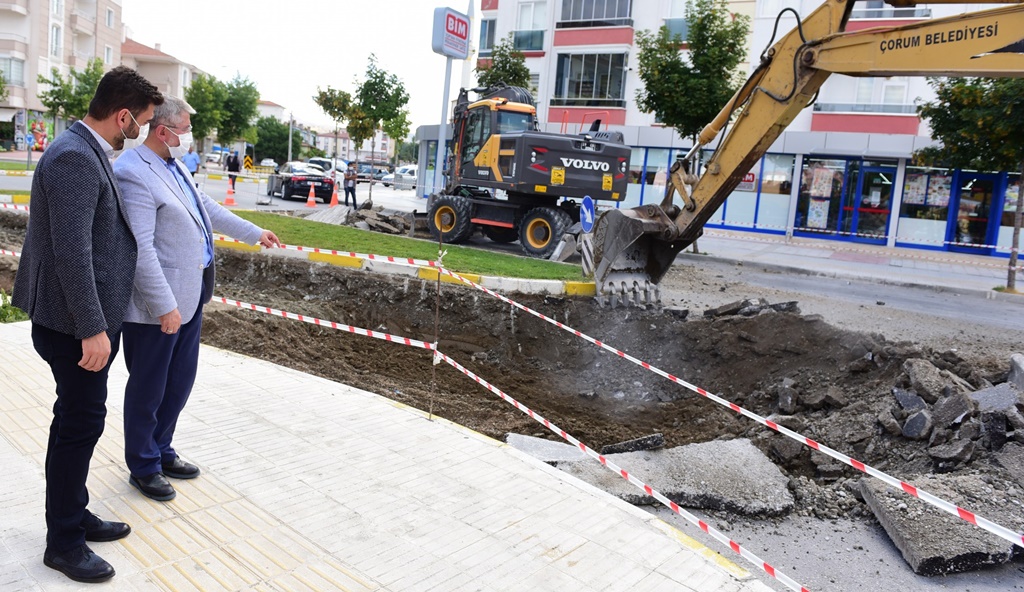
(632,251)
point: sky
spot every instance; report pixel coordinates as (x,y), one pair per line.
(290,47)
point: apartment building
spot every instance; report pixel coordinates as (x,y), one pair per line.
(341,146)
(842,171)
(166,72)
(38,35)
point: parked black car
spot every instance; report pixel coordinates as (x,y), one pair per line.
(295,179)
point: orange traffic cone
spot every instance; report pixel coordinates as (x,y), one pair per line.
(334,197)
(230,201)
(311,200)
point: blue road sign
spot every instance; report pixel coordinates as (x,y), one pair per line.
(587,214)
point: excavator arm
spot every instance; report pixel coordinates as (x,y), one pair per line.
(635,247)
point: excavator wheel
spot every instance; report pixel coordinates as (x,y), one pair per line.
(449,218)
(500,234)
(541,229)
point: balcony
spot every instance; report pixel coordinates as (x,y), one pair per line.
(13,45)
(528,40)
(16,6)
(79,59)
(597,22)
(587,102)
(895,109)
(82,22)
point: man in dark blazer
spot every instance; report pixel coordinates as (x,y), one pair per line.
(75,280)
(173,222)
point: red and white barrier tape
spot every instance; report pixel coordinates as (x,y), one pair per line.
(948,507)
(745,553)
(631,478)
(322,323)
(366,256)
(11,253)
(9,206)
(836,247)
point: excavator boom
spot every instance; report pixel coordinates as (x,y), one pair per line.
(635,247)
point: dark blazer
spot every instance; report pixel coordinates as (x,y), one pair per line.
(78,263)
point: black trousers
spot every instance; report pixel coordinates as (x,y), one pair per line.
(352,191)
(78,419)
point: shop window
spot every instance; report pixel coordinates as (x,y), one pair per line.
(1010,197)
(635,188)
(776,187)
(821,194)
(925,206)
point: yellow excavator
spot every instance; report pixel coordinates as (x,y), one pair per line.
(633,248)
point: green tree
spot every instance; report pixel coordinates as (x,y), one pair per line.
(380,98)
(507,65)
(397,129)
(239,112)
(3,87)
(687,93)
(980,123)
(208,96)
(336,104)
(272,140)
(409,152)
(84,87)
(59,96)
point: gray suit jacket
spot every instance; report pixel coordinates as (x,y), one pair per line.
(77,265)
(170,271)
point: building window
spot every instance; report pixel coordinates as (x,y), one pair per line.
(56,40)
(529,33)
(486,37)
(590,80)
(108,54)
(925,206)
(57,8)
(676,20)
(595,13)
(13,71)
(110,18)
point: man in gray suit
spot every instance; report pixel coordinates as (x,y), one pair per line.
(173,222)
(74,281)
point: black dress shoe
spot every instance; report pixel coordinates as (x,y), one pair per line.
(180,469)
(80,564)
(153,486)
(102,531)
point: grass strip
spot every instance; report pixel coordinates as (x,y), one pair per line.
(296,231)
(13,165)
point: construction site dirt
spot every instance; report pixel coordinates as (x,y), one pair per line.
(827,370)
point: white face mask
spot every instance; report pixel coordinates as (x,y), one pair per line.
(130,143)
(184,141)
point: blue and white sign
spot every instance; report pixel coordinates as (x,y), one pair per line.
(587,214)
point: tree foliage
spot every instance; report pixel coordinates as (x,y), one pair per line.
(239,111)
(272,140)
(507,65)
(84,87)
(4,91)
(207,96)
(58,96)
(980,124)
(381,97)
(335,103)
(688,93)
(397,129)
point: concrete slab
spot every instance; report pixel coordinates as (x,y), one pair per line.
(730,475)
(314,485)
(933,542)
(543,450)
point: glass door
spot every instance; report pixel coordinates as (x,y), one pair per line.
(973,202)
(869,206)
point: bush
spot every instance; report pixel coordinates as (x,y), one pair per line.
(8,312)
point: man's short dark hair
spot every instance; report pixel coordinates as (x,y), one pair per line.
(123,88)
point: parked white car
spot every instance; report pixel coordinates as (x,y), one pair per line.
(405,175)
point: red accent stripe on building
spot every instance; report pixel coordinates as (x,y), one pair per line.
(483,62)
(865,123)
(488,4)
(575,115)
(532,54)
(595,36)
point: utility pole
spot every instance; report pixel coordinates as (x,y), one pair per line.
(291,122)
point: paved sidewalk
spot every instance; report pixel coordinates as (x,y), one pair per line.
(309,484)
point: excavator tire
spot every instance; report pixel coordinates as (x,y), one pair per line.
(500,234)
(449,218)
(541,229)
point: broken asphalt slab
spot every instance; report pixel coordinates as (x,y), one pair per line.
(933,542)
(730,475)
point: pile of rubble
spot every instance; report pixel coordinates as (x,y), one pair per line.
(377,219)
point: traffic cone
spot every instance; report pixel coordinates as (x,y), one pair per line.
(311,200)
(230,200)
(334,197)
